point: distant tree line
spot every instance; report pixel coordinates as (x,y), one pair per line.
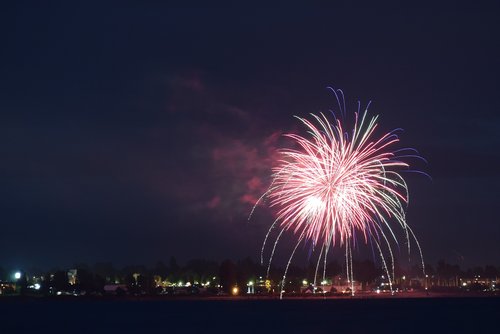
(227,274)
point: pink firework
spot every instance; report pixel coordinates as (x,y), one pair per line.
(338,185)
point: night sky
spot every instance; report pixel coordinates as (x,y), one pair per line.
(134,132)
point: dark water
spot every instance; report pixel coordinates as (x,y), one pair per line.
(432,315)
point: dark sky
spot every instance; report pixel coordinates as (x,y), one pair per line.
(133,132)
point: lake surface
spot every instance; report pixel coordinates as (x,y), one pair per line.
(384,315)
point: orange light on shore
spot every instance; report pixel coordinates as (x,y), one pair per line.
(235,291)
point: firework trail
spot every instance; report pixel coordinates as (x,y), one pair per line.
(339,186)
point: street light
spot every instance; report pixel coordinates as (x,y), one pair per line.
(17,275)
(250,288)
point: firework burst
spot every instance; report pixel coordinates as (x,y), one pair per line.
(340,185)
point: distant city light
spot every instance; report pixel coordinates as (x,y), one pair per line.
(235,291)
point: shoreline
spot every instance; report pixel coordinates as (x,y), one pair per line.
(359,296)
